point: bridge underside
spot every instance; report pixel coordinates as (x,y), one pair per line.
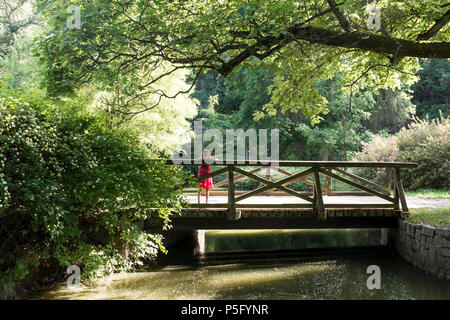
(290,218)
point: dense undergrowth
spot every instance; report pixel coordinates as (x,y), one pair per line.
(65,179)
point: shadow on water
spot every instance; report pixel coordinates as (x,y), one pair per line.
(244,240)
(308,272)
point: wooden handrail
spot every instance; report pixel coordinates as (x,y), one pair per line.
(354,176)
(225,182)
(400,192)
(315,169)
(272,185)
(318,199)
(287,163)
(354,184)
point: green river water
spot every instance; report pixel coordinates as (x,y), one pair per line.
(272,264)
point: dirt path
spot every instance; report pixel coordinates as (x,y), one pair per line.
(414,202)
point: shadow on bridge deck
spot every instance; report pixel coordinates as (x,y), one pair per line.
(283,201)
(279,212)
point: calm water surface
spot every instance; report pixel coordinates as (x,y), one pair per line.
(226,272)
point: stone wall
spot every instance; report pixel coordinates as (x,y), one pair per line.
(426,247)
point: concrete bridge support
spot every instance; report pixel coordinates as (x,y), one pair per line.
(385,236)
(182,245)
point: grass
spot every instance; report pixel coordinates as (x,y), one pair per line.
(437,217)
(430,193)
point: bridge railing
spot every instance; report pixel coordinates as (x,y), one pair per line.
(392,191)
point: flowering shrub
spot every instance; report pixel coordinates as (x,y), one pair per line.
(425,142)
(379,149)
(65,180)
(428,144)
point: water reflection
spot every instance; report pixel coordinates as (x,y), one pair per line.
(281,274)
(237,240)
(331,279)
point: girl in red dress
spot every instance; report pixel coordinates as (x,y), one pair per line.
(206,184)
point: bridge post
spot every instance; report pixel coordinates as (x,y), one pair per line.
(396,194)
(268,192)
(387,179)
(231,197)
(401,192)
(318,199)
(328,183)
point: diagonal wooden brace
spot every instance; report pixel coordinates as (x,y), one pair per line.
(272,185)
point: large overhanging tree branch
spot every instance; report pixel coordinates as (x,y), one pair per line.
(130,39)
(346,37)
(356,40)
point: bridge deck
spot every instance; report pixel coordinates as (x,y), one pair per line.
(285,201)
(364,212)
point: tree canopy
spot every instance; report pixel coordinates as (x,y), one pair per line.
(124,41)
(432,91)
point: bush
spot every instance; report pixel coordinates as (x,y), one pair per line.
(425,142)
(65,180)
(428,144)
(379,149)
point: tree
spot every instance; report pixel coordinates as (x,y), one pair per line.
(238,99)
(341,129)
(15,17)
(161,123)
(392,110)
(432,91)
(18,24)
(304,42)
(20,69)
(235,102)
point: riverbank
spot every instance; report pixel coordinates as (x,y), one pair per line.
(424,246)
(435,217)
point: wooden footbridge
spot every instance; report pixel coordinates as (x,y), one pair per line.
(275,205)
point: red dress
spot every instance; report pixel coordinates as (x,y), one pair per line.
(206,184)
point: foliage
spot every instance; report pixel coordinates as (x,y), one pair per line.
(16,17)
(161,123)
(18,66)
(378,149)
(20,69)
(341,130)
(428,144)
(66,183)
(391,111)
(238,102)
(233,102)
(302,42)
(432,91)
(293,87)
(425,142)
